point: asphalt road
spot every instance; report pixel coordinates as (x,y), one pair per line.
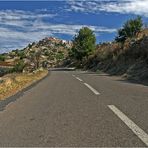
(77,109)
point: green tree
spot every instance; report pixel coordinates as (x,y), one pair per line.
(2,57)
(83,43)
(129,29)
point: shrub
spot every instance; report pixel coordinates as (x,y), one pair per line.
(60,55)
(129,29)
(21,54)
(19,66)
(2,58)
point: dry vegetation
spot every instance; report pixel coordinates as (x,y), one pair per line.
(13,83)
(129,59)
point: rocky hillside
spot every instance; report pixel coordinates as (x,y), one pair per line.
(129,59)
(48,52)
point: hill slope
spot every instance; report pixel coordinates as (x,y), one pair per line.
(129,59)
(48,52)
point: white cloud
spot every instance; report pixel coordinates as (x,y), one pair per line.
(20,14)
(18,28)
(137,7)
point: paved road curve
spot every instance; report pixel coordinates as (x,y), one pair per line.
(77,109)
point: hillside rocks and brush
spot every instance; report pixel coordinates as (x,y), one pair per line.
(46,53)
(129,59)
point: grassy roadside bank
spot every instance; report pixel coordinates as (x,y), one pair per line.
(13,83)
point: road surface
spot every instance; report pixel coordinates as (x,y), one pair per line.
(75,108)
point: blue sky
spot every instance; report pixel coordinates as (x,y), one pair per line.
(22,22)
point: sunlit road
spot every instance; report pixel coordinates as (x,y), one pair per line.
(74,108)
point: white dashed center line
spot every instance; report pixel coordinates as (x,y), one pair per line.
(92,89)
(79,79)
(135,128)
(87,85)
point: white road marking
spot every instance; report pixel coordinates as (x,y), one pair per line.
(136,129)
(73,75)
(92,89)
(79,79)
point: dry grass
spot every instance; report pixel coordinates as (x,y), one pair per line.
(13,83)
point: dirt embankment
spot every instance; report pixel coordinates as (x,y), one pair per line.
(129,59)
(12,83)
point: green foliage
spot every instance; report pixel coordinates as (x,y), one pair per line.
(83,44)
(47,53)
(21,54)
(129,29)
(2,57)
(19,66)
(4,71)
(60,55)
